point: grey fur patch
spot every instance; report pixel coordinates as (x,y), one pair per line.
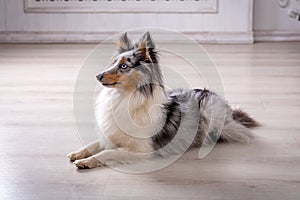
(215,122)
(152,77)
(181,125)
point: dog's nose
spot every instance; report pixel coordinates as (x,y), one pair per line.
(99,77)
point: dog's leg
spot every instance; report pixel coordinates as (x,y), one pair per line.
(85,152)
(111,157)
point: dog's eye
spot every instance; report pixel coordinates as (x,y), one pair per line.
(123,66)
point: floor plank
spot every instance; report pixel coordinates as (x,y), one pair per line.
(37,129)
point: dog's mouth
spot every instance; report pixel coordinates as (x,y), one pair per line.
(110,84)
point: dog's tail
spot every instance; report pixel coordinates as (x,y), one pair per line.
(237,129)
(243,118)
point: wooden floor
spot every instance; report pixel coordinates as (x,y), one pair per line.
(37,130)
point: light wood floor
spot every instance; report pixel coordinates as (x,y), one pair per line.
(37,130)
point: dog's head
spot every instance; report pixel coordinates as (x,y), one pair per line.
(135,68)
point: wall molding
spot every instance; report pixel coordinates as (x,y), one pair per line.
(276,36)
(121,6)
(96,37)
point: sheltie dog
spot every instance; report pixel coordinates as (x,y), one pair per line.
(139,118)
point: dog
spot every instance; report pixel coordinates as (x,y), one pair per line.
(139,118)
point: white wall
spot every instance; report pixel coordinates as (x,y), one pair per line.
(2,15)
(232,23)
(272,23)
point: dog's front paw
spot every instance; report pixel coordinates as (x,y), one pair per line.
(87,163)
(78,155)
(73,156)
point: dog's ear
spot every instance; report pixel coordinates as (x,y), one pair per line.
(146,46)
(146,42)
(124,43)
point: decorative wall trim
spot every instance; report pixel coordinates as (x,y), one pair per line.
(121,6)
(84,37)
(276,36)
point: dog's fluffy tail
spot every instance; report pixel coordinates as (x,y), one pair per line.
(235,132)
(237,129)
(237,124)
(243,118)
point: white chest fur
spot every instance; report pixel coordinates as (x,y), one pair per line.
(129,119)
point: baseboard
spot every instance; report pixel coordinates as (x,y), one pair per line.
(276,36)
(222,37)
(84,37)
(53,37)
